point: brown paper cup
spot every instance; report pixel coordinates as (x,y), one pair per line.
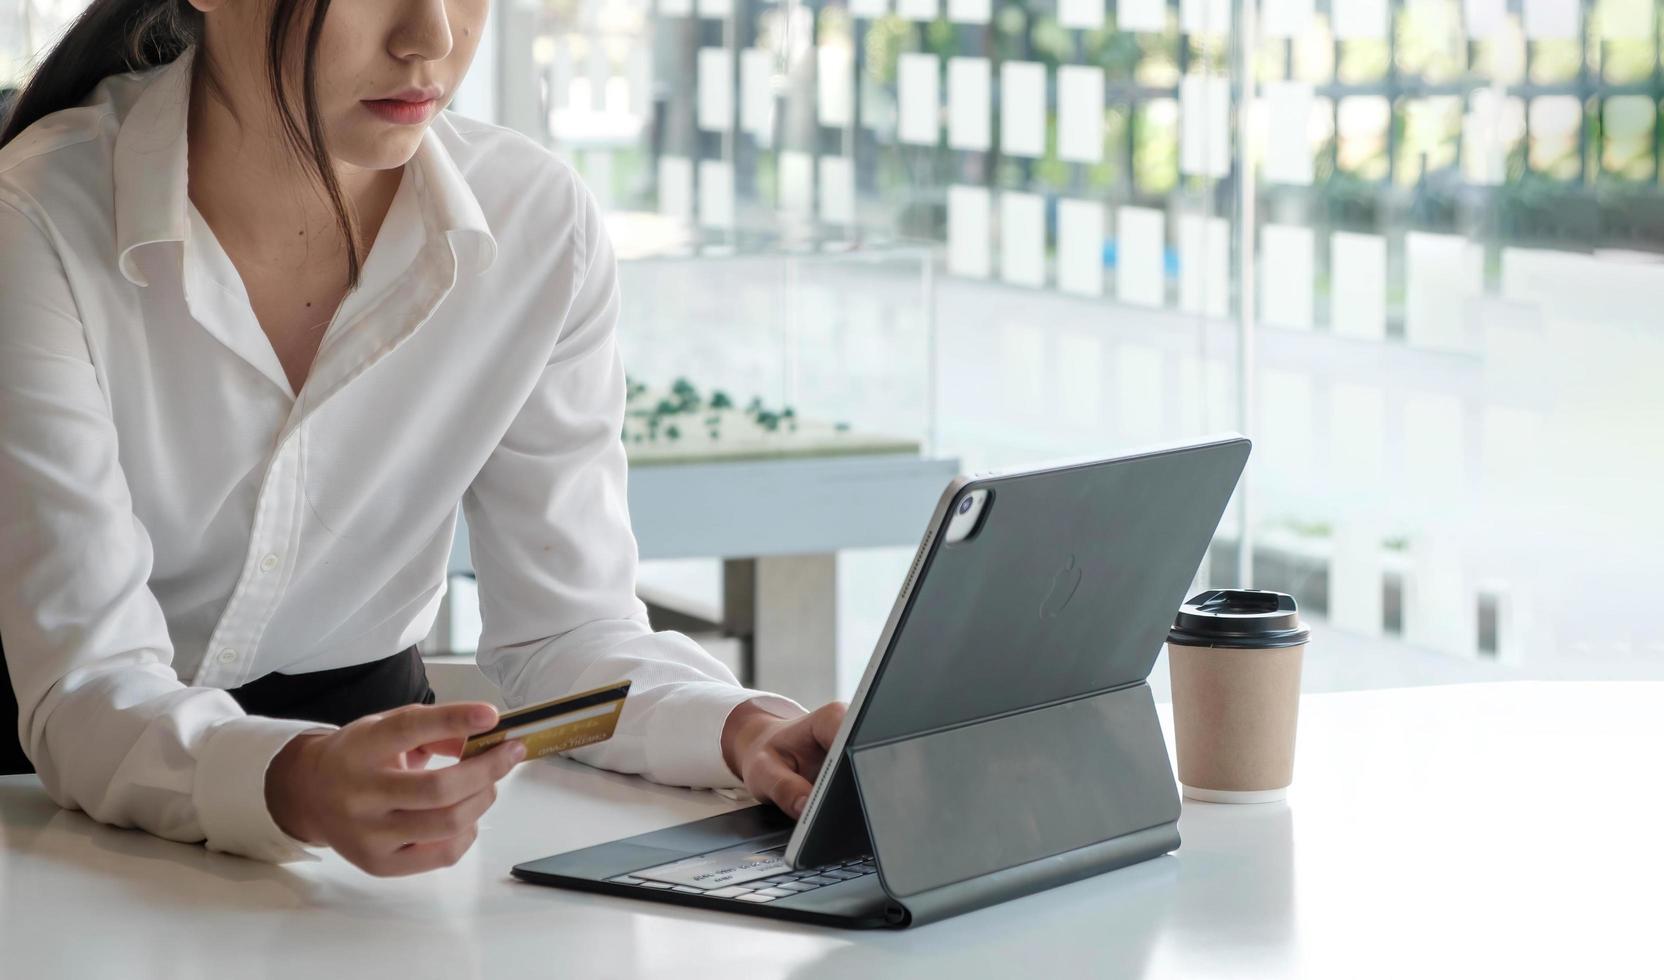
(1234,715)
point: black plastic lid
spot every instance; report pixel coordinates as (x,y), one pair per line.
(1246,619)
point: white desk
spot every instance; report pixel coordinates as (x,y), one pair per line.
(779,524)
(1471,831)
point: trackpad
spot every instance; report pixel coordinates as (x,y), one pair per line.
(719,869)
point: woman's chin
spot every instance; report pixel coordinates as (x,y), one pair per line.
(392,147)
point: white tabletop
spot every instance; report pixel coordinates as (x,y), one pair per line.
(753,508)
(1474,830)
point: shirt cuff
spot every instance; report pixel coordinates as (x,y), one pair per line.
(686,743)
(230,790)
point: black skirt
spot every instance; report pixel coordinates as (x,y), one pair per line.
(333,697)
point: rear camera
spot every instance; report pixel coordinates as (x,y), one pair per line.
(966,505)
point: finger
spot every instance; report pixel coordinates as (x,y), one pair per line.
(418,757)
(420,724)
(430,789)
(443,823)
(771,779)
(416,858)
(450,747)
(440,853)
(806,740)
(825,721)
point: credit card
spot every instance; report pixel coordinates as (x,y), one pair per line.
(559,725)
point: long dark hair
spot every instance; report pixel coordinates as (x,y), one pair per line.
(114,36)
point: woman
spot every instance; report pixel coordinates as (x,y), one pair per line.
(266,318)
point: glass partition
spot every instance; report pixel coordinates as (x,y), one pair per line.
(777,352)
(1412,247)
(1459,245)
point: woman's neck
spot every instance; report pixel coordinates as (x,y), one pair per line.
(264,203)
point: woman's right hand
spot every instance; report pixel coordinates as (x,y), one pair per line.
(364,789)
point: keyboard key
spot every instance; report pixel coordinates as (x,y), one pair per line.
(820,880)
(776,892)
(839,874)
(732,891)
(775,880)
(865,869)
(655,884)
(798,886)
(688,889)
(626,880)
(757,897)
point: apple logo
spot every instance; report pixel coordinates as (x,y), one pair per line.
(1064,584)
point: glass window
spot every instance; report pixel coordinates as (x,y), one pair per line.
(1416,255)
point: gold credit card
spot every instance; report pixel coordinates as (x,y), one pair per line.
(560,725)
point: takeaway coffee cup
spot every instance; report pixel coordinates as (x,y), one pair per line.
(1234,656)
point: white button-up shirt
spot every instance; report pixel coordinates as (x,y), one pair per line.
(176,520)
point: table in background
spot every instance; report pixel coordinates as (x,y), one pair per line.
(1484,830)
(778,526)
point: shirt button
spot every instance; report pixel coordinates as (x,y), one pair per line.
(228,656)
(268,563)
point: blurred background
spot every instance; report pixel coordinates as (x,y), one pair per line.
(1413,248)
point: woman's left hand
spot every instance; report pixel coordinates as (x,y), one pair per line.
(779,758)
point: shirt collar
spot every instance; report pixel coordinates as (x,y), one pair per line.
(151,156)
